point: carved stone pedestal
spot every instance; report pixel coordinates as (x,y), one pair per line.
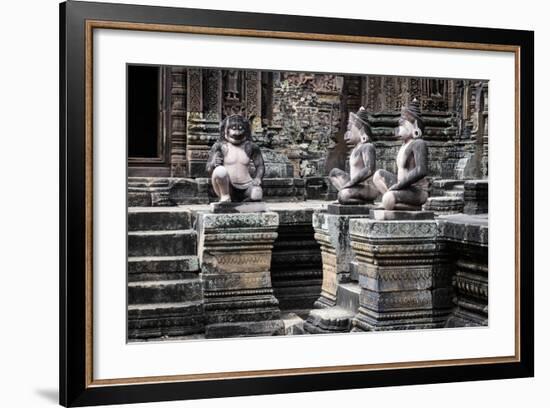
(332,233)
(404,279)
(235,258)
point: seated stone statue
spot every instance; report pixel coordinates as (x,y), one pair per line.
(229,159)
(357,187)
(407,190)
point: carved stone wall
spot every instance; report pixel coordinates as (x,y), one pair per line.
(307,114)
(448,108)
(303,116)
(296,269)
(466,239)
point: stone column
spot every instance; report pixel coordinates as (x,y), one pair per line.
(235,258)
(332,233)
(405,282)
(253,89)
(178,121)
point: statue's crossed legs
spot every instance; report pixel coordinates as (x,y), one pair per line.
(357,194)
(410,198)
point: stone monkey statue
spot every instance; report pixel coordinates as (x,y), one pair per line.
(229,159)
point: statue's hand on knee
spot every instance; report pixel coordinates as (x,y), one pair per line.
(256,193)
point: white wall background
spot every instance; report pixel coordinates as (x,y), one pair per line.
(29,205)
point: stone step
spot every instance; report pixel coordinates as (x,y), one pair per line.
(158,219)
(151,265)
(455,193)
(167,291)
(347,296)
(145,182)
(196,336)
(293,323)
(162,243)
(148,321)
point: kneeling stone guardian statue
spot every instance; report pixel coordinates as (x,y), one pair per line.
(357,187)
(407,190)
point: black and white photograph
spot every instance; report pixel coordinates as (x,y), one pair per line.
(269,203)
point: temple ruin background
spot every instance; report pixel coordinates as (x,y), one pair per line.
(298,119)
(310,279)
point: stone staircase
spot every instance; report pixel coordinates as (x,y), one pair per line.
(147,192)
(456,191)
(165,293)
(447,197)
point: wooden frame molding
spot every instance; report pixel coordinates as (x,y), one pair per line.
(78,22)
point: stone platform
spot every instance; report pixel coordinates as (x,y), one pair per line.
(244,207)
(400,215)
(396,276)
(296,267)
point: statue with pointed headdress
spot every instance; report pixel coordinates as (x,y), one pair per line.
(357,186)
(407,190)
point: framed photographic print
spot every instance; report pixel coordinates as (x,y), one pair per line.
(256,203)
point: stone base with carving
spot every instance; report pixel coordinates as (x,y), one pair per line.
(331,232)
(235,258)
(405,281)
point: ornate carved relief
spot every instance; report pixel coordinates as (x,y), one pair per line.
(194,90)
(178,119)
